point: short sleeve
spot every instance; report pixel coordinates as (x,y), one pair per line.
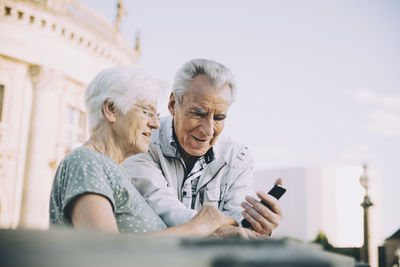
(84,173)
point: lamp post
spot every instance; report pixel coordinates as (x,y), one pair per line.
(364,181)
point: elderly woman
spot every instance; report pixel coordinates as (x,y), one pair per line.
(91,189)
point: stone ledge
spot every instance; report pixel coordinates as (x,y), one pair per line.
(80,248)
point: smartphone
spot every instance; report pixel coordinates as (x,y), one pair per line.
(277,191)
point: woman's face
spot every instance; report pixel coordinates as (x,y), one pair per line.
(133,130)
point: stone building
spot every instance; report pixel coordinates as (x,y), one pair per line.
(49,51)
(389,252)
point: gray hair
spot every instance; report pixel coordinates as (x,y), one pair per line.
(217,74)
(122,86)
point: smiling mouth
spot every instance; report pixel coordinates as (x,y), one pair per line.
(147,134)
(199,140)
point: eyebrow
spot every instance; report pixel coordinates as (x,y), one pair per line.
(150,107)
(200,110)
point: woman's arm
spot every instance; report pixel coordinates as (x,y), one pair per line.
(92,211)
(206,222)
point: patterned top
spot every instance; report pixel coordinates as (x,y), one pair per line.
(190,183)
(86,171)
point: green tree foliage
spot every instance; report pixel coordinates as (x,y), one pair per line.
(349,251)
(323,241)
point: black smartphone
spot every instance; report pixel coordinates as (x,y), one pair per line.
(277,191)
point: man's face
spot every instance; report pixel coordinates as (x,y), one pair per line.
(200,118)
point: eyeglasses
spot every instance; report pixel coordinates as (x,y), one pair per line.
(149,114)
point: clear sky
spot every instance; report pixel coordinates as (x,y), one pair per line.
(319,81)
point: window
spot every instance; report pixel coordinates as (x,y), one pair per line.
(7,11)
(1,101)
(76,124)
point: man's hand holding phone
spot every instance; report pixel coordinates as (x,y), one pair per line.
(265,215)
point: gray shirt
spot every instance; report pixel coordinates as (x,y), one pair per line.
(86,171)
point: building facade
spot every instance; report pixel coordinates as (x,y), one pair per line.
(49,51)
(389,252)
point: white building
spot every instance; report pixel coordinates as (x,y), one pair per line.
(49,51)
(327,200)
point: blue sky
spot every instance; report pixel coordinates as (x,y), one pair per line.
(319,81)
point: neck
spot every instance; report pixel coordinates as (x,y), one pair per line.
(188,159)
(103,141)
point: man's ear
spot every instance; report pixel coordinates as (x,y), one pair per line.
(172,104)
(109,111)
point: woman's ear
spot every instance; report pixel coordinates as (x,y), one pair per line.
(109,111)
(171,104)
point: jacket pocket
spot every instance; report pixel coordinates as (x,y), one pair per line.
(213,196)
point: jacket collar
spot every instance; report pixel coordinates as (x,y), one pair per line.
(169,149)
(167,141)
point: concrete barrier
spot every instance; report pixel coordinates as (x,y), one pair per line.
(82,248)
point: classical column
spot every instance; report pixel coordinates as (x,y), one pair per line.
(42,137)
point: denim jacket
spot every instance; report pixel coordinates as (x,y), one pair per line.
(159,174)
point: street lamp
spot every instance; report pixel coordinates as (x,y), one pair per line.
(364,181)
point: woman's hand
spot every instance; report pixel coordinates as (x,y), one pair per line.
(206,222)
(235,231)
(209,219)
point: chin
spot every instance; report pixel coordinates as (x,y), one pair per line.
(198,153)
(143,150)
(138,150)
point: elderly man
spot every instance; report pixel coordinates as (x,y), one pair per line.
(189,164)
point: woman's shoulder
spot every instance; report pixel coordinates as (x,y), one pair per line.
(83,156)
(82,153)
(88,161)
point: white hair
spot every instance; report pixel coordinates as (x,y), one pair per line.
(123,86)
(217,74)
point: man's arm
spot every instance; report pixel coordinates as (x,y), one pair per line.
(151,183)
(239,189)
(207,221)
(262,219)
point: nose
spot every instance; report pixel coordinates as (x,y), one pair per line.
(154,123)
(207,126)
